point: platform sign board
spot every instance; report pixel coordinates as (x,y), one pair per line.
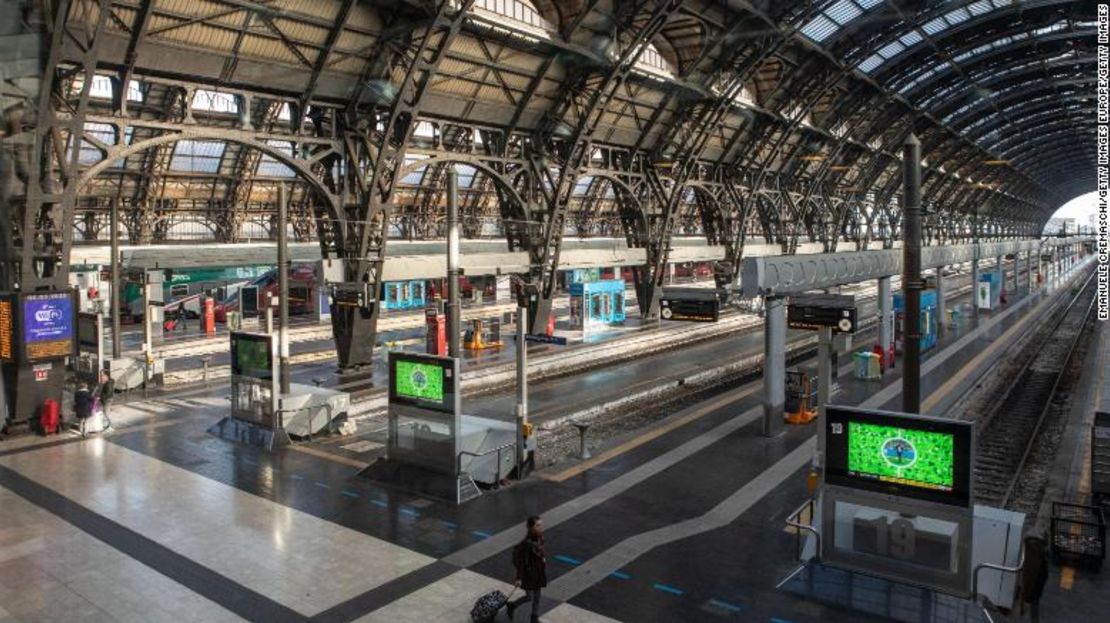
(48,325)
(540,338)
(896,499)
(690,305)
(814,311)
(7,329)
(424,411)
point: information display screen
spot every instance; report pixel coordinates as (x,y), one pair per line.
(48,321)
(252,355)
(901,454)
(7,350)
(424,381)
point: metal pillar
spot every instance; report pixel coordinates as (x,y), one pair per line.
(975,285)
(886,319)
(453,310)
(942,319)
(1029,271)
(912,283)
(521,385)
(1014,269)
(117,278)
(774,365)
(284,266)
(1001,271)
(824,387)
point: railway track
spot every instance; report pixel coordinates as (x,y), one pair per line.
(1010,431)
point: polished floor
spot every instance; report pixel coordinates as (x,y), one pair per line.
(160,521)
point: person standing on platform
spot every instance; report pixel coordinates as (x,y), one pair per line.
(103,394)
(530,561)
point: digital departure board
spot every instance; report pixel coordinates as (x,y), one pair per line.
(7,351)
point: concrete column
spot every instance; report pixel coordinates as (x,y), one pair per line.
(824,386)
(1029,271)
(886,317)
(774,365)
(942,315)
(670,272)
(975,287)
(1016,268)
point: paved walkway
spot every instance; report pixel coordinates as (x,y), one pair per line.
(160,521)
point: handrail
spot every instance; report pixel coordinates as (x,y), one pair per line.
(498,450)
(793,520)
(995,567)
(280,414)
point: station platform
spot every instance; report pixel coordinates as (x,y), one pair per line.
(684,522)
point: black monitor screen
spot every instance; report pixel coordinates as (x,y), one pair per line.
(422,381)
(252,355)
(901,454)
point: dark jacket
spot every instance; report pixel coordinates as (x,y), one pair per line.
(105,391)
(82,404)
(530,561)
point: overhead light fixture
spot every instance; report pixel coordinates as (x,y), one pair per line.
(813,158)
(840,167)
(995,163)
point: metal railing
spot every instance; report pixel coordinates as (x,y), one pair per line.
(794,520)
(1000,568)
(498,450)
(279,414)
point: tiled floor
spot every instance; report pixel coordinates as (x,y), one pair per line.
(162,522)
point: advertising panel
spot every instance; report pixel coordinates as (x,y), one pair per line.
(48,325)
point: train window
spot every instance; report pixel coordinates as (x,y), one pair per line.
(180,289)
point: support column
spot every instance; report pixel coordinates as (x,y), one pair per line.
(1016,267)
(942,312)
(284,266)
(117,279)
(912,284)
(886,320)
(774,365)
(824,387)
(1001,272)
(453,309)
(975,285)
(1029,272)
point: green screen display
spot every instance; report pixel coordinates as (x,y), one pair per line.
(423,381)
(253,358)
(905,456)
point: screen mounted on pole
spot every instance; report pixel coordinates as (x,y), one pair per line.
(900,454)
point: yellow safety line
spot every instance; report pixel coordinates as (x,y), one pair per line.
(648,436)
(1067,577)
(1001,341)
(329,456)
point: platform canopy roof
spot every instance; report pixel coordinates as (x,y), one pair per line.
(805,101)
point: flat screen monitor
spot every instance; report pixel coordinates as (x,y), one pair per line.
(48,321)
(900,454)
(423,381)
(252,355)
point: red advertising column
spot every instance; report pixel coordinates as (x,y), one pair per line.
(435,324)
(208,316)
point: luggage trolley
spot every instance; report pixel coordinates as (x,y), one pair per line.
(801,397)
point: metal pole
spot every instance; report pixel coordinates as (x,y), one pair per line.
(975,284)
(911,273)
(824,387)
(521,386)
(942,303)
(774,369)
(283,288)
(886,319)
(116,279)
(453,262)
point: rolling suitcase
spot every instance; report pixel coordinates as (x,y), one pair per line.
(486,608)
